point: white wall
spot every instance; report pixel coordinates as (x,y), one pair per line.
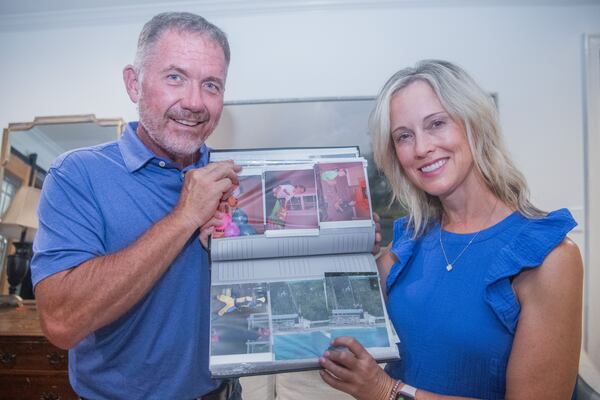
(530,55)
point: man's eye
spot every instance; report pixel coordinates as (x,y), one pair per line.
(174,77)
(213,87)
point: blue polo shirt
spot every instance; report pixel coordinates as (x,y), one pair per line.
(97,201)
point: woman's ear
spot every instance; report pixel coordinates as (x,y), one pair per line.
(132,83)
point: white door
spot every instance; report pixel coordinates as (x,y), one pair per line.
(590,366)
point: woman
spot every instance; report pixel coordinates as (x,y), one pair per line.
(483,288)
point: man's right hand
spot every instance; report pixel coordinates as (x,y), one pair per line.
(208,228)
(202,191)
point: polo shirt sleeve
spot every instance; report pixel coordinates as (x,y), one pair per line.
(70,222)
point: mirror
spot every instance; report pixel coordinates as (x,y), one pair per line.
(28,149)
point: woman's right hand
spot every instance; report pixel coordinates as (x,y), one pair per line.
(354,371)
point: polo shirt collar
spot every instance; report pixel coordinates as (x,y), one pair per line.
(136,154)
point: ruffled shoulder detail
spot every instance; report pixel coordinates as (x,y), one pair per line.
(402,247)
(527,249)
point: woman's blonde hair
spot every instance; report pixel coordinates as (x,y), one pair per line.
(467,104)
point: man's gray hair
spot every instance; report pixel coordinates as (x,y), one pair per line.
(182,22)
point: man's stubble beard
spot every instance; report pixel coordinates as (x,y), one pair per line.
(179,145)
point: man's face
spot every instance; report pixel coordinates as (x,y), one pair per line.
(181,92)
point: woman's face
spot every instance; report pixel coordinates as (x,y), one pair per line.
(431,147)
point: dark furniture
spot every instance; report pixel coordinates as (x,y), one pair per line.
(30,367)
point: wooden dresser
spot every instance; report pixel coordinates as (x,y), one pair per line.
(30,367)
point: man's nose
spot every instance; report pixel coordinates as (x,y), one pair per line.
(193,100)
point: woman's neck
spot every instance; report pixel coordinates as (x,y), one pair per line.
(472,210)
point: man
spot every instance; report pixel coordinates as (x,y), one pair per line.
(121,277)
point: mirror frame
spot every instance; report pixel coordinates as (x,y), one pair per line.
(119,123)
(5,154)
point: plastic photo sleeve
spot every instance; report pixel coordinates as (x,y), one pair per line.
(244,210)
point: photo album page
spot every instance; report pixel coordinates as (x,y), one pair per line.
(291,266)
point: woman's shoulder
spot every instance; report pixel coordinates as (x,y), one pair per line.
(539,241)
(401,248)
(561,268)
(538,236)
(403,239)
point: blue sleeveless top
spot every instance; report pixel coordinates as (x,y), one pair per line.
(456,328)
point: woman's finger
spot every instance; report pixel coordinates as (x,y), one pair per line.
(339,371)
(333,381)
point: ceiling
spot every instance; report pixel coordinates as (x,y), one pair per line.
(13,8)
(45,6)
(32,15)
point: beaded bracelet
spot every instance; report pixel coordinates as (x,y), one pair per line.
(394,391)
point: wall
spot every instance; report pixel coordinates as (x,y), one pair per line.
(530,55)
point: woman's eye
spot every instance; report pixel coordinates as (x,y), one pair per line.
(402,137)
(437,123)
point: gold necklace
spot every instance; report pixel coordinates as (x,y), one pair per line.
(450,265)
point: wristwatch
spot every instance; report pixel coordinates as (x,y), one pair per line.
(406,392)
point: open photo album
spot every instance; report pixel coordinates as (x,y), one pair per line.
(291,267)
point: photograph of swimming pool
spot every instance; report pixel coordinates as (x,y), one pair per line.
(297,319)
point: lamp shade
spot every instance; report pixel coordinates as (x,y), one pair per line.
(22,213)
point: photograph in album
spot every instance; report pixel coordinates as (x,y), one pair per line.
(342,190)
(290,199)
(240,319)
(244,213)
(296,320)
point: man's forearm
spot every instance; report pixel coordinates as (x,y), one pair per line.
(78,301)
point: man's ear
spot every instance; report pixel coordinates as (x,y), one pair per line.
(132,84)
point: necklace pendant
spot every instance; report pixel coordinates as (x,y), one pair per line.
(449,267)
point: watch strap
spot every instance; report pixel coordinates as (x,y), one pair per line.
(407,391)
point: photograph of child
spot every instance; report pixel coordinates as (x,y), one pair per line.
(240,319)
(244,213)
(342,192)
(290,199)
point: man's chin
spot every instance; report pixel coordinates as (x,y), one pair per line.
(176,142)
(183,150)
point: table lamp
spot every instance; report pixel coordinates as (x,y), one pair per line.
(19,224)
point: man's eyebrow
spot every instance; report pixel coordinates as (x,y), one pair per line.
(175,68)
(212,78)
(182,71)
